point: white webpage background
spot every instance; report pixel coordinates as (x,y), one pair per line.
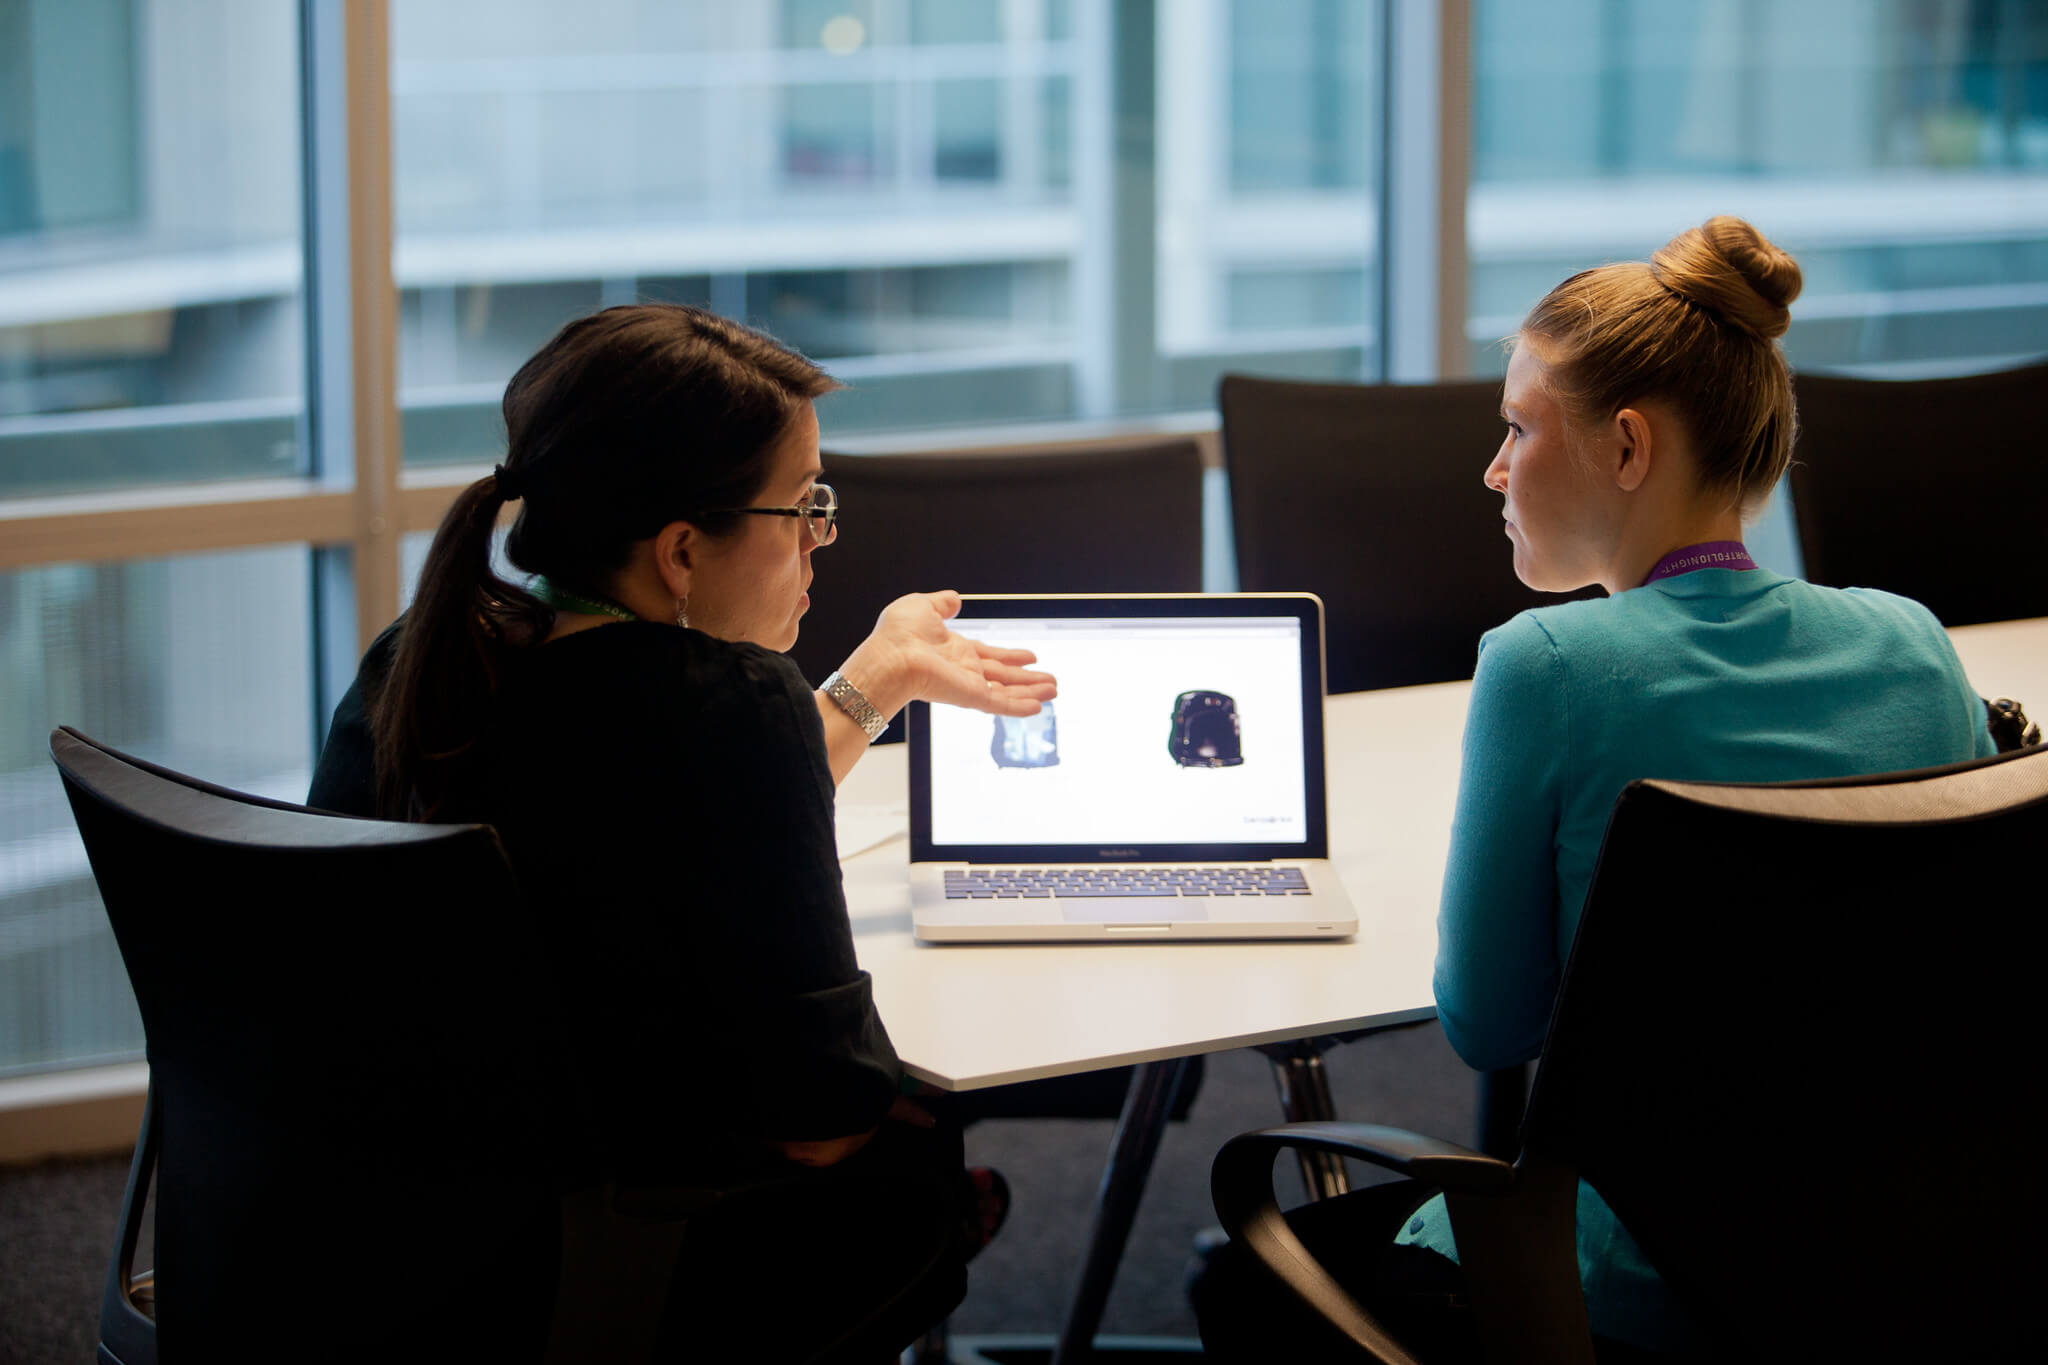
(1116,781)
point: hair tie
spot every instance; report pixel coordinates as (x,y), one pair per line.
(508,484)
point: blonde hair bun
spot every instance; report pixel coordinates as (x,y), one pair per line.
(1733,271)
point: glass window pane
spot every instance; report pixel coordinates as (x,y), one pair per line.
(969,142)
(841,133)
(1268,191)
(202,663)
(150,322)
(839,26)
(1300,82)
(956,21)
(1899,150)
(922,192)
(412,558)
(885,183)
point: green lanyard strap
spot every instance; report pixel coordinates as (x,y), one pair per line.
(561,599)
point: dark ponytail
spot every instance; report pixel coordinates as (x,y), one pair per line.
(628,420)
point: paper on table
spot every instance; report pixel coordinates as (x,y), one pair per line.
(863,825)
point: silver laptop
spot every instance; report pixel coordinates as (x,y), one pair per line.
(1173,791)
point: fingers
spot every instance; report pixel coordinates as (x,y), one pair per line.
(962,684)
(1001,655)
(1009,699)
(947,601)
(1007,704)
(1021,677)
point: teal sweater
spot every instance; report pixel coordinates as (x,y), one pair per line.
(1717,675)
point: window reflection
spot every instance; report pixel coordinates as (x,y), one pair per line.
(1899,148)
(920,191)
(149,243)
(200,662)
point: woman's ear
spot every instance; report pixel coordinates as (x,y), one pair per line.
(1633,449)
(674,546)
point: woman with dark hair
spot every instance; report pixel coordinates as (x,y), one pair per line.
(662,780)
(1649,415)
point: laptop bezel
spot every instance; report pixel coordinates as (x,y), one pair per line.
(1306,608)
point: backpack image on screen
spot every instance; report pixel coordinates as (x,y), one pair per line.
(1205,731)
(1026,741)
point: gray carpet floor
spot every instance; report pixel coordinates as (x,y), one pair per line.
(57,1218)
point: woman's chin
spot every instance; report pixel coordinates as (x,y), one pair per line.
(1540,578)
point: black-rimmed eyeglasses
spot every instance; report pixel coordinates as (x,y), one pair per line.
(819,508)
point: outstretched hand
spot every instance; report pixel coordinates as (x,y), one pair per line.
(912,655)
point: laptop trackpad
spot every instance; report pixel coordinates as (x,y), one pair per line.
(1135,911)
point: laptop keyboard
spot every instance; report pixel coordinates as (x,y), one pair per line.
(1037,883)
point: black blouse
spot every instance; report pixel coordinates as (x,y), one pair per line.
(665,801)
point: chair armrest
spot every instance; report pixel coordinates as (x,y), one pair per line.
(1241,1184)
(1432,1161)
(1514,1227)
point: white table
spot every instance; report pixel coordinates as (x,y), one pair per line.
(964,1016)
(971,1015)
(2008,659)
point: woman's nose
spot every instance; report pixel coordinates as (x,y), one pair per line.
(1496,476)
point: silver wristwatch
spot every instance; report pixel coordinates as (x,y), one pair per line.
(848,698)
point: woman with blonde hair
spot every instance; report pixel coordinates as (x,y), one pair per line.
(1649,413)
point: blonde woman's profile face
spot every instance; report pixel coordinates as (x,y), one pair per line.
(1560,526)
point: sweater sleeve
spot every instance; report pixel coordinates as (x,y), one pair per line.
(1496,966)
(793,1006)
(345,779)
(1974,717)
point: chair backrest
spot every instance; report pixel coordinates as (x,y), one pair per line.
(1370,496)
(1118,519)
(1930,487)
(1793,1050)
(359,1111)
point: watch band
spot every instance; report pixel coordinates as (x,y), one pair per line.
(848,698)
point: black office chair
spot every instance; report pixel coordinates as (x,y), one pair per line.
(1119,519)
(364,1138)
(1929,487)
(1789,1051)
(1370,496)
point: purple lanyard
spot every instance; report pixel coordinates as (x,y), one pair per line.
(1713,554)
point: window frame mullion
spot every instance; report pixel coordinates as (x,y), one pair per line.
(1425,178)
(378,450)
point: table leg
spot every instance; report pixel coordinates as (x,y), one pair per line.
(1146,1106)
(1305,1098)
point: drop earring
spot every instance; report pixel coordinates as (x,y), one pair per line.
(683,611)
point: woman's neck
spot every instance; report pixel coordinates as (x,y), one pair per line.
(1641,552)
